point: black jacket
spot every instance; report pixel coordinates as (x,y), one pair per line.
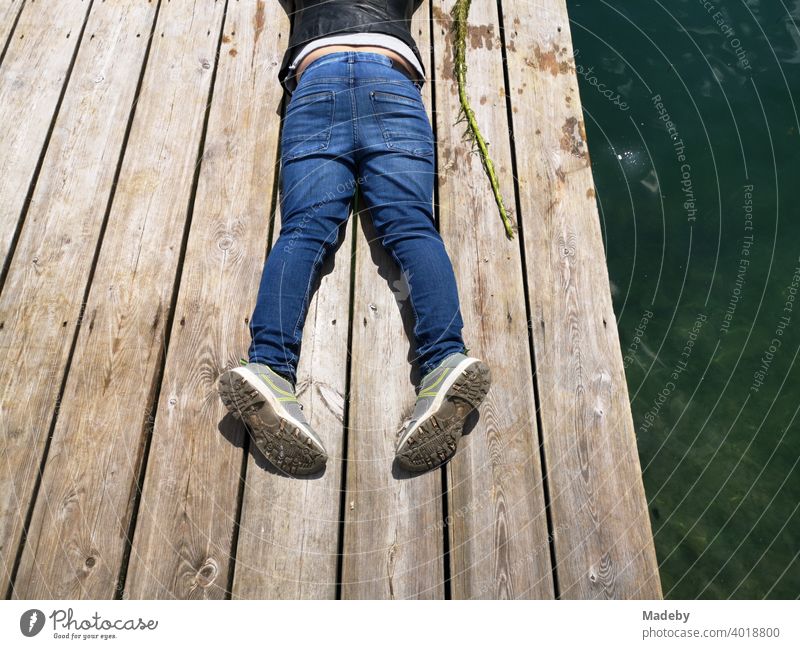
(316,18)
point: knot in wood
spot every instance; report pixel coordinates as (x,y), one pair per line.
(208,573)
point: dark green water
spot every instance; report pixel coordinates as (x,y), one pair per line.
(700,221)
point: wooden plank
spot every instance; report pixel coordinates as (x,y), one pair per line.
(288,549)
(498,531)
(77,536)
(35,70)
(603,541)
(182,541)
(9,10)
(41,303)
(287,545)
(289,529)
(393,541)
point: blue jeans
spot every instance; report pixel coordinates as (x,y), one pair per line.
(355,120)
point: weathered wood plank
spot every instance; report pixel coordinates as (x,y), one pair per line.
(182,542)
(289,531)
(603,541)
(183,539)
(498,531)
(33,76)
(41,303)
(78,531)
(393,541)
(288,534)
(9,10)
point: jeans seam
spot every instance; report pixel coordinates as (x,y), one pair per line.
(306,299)
(318,261)
(410,298)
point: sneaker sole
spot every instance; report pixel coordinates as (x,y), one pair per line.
(435,438)
(279,437)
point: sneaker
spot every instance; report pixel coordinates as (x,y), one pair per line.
(446,396)
(266,403)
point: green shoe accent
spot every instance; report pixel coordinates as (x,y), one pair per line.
(446,396)
(267,404)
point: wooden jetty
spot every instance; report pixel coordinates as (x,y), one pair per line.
(139,148)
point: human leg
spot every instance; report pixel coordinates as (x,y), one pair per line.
(396,161)
(397,164)
(316,192)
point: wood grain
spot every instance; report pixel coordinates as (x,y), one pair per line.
(80,522)
(139,399)
(9,10)
(188,515)
(393,541)
(34,72)
(289,530)
(601,528)
(42,299)
(499,544)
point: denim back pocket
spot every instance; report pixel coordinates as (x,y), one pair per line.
(403,121)
(307,124)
